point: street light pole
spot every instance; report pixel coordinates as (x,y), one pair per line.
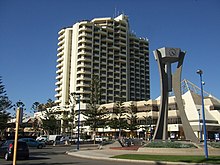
(200,131)
(200,72)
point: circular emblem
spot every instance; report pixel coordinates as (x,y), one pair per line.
(172,52)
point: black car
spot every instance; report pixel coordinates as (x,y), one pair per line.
(7,150)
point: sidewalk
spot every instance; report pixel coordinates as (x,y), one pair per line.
(107,153)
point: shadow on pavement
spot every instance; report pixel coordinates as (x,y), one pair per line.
(68,163)
(37,158)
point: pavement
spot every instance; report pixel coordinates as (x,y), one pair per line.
(107,152)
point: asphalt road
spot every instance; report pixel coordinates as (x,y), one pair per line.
(56,156)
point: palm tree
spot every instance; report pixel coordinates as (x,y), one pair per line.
(5,105)
(49,122)
(118,121)
(96,117)
(132,118)
(19,104)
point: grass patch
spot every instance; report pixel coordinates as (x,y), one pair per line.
(171,158)
(162,144)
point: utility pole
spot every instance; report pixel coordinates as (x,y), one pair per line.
(19,116)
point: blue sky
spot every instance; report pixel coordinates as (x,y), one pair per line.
(28,39)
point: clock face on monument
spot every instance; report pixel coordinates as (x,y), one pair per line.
(172,52)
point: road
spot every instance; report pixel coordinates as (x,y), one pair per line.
(56,156)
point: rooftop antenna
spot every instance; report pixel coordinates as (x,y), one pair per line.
(115,12)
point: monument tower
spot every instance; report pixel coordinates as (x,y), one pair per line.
(168,81)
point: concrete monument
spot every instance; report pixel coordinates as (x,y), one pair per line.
(168,81)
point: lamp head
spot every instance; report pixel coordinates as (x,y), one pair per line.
(199,71)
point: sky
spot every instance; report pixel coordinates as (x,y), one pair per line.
(29,37)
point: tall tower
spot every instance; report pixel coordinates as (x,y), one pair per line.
(103,47)
(171,81)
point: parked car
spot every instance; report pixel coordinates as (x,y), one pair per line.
(7,150)
(98,139)
(58,139)
(74,140)
(64,138)
(42,138)
(33,143)
(54,138)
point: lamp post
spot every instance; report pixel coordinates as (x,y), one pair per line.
(200,72)
(149,120)
(77,94)
(200,131)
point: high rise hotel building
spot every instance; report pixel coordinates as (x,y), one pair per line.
(105,47)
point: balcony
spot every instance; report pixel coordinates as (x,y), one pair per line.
(107,39)
(116,47)
(60,48)
(60,54)
(57,101)
(60,38)
(102,32)
(83,78)
(84,59)
(96,36)
(60,43)
(83,85)
(110,94)
(58,95)
(84,72)
(83,39)
(123,78)
(96,48)
(59,77)
(82,46)
(58,89)
(58,83)
(59,65)
(84,34)
(61,32)
(109,28)
(85,28)
(59,60)
(59,71)
(83,52)
(103,50)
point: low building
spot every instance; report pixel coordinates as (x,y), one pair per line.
(148,112)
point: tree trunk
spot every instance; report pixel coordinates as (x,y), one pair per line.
(94,136)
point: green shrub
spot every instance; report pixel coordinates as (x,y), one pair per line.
(215,144)
(107,142)
(162,144)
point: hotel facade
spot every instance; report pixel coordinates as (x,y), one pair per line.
(148,113)
(107,48)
